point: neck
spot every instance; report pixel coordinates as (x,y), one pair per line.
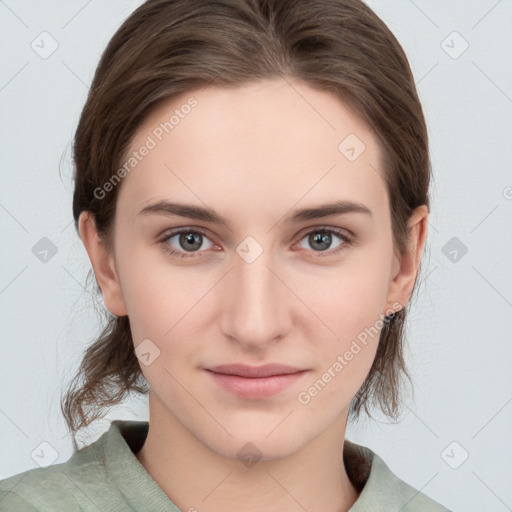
(194,477)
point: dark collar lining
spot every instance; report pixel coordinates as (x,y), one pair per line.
(134,433)
(358,463)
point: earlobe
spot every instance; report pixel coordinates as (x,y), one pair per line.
(103,265)
(405,272)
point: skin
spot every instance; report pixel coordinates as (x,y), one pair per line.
(253,154)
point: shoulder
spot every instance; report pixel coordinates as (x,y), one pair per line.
(69,486)
(381,489)
(105,475)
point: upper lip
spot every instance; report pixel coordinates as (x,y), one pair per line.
(266,370)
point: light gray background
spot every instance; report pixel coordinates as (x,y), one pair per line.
(460,344)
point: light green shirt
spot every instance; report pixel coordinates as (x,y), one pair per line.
(106,476)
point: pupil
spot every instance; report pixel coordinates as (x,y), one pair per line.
(189,238)
(323,239)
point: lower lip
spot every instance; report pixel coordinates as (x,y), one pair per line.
(263,387)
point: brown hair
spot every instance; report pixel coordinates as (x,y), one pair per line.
(169,47)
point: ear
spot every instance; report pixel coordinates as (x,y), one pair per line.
(406,264)
(103,264)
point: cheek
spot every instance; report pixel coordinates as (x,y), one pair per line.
(170,306)
(155,302)
(352,307)
(147,296)
(161,309)
(350,298)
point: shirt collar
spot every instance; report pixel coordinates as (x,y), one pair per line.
(377,485)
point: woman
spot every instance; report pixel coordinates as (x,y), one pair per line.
(251,187)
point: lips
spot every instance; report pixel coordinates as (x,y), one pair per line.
(255,382)
(267,370)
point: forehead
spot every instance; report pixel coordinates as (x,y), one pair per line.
(274,142)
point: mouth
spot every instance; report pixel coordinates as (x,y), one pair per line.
(255,382)
(266,370)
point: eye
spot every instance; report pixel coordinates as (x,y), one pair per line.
(186,241)
(189,243)
(321,240)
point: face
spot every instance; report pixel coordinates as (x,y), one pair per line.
(262,275)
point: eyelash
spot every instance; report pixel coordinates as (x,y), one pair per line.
(347,241)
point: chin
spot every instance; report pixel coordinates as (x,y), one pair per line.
(254,441)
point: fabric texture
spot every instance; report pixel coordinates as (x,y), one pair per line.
(106,476)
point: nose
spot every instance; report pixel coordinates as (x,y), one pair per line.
(256,307)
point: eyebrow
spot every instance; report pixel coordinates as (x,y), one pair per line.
(206,214)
